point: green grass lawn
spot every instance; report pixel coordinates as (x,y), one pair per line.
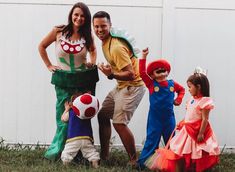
(25,159)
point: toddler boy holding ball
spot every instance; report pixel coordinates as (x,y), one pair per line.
(78,114)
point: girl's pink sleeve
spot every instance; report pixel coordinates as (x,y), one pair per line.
(206,103)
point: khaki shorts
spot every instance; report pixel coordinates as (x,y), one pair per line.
(120,104)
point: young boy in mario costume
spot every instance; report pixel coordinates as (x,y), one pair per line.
(161,118)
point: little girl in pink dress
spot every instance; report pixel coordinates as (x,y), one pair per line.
(195,142)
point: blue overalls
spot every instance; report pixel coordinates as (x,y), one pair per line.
(161,119)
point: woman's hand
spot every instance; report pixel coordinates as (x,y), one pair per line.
(53,68)
(89,65)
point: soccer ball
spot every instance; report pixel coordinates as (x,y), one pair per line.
(85,106)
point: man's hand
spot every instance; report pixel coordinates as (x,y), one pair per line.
(106,69)
(126,74)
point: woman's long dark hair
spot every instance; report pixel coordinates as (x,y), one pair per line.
(85,29)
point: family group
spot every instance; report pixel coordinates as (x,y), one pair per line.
(76,73)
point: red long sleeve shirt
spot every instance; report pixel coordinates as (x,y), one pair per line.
(149,82)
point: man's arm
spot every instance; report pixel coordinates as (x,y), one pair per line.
(126,74)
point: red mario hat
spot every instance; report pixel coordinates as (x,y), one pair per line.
(161,63)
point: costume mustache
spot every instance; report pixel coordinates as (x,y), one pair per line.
(162,74)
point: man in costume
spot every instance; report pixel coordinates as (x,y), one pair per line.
(121,102)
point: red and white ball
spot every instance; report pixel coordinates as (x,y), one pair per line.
(86,106)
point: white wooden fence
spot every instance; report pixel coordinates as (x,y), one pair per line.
(186,32)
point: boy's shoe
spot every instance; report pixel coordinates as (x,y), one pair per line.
(66,163)
(139,167)
(133,165)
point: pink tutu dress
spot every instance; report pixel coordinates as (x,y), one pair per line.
(202,155)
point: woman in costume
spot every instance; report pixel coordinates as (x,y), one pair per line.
(73,73)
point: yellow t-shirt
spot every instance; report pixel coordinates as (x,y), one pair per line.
(119,55)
